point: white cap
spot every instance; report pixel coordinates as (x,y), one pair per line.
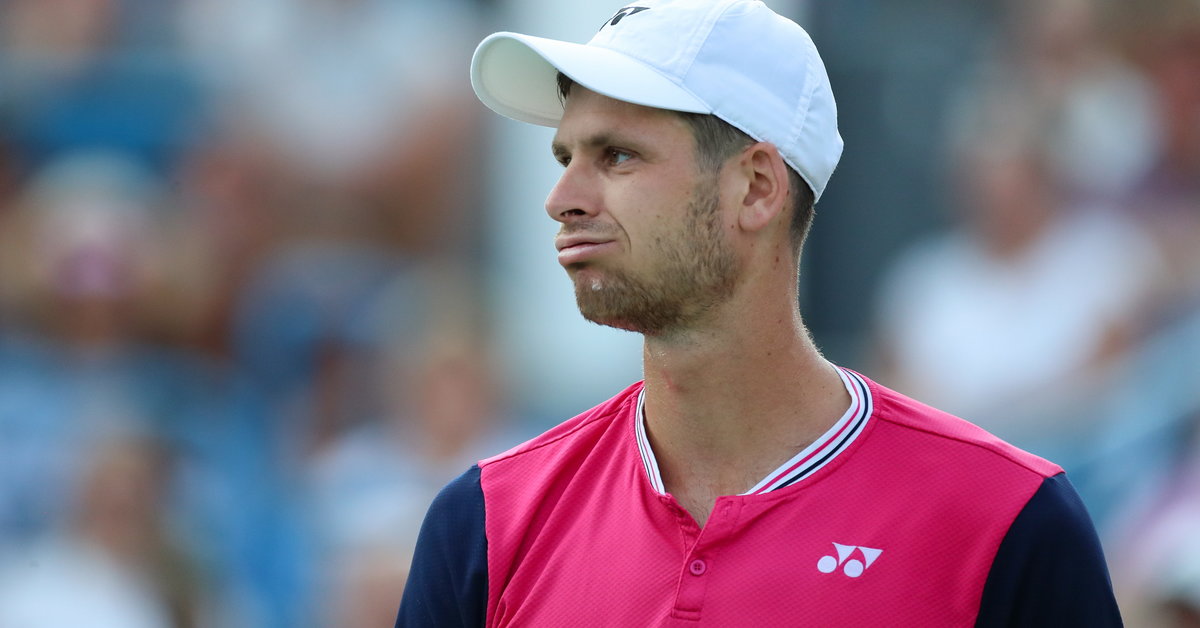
(736,59)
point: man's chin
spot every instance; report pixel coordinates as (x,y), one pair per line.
(638,318)
(614,301)
(597,304)
(613,321)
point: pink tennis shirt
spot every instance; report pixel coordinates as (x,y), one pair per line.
(899,515)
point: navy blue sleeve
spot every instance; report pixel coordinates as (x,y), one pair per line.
(447,585)
(1050,569)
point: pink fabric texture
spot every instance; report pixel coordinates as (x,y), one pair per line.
(900,528)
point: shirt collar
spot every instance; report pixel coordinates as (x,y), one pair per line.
(832,443)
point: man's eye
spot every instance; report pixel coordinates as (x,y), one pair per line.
(617,156)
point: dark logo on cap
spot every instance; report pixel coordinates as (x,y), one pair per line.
(622,14)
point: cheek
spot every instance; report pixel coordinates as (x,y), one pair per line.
(655,231)
(652,207)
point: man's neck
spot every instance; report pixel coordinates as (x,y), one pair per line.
(724,408)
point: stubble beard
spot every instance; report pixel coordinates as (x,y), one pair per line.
(696,271)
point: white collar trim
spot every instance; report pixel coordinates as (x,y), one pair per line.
(823,450)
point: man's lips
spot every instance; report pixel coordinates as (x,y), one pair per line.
(579,248)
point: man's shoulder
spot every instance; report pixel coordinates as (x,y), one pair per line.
(957,436)
(580,431)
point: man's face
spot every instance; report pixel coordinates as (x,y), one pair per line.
(642,232)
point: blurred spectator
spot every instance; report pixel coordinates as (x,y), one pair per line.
(104,294)
(379,392)
(79,356)
(1157,554)
(307,335)
(115,563)
(1104,133)
(305,341)
(93,249)
(1163,39)
(369,489)
(443,412)
(230,208)
(361,105)
(1026,294)
(76,77)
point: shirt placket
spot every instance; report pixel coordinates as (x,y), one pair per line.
(701,563)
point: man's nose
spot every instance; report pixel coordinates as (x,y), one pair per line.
(573,197)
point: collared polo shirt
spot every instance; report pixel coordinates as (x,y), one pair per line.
(899,515)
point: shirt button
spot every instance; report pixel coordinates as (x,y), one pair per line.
(698,567)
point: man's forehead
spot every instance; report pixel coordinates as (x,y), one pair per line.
(589,118)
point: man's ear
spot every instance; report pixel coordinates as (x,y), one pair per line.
(765,181)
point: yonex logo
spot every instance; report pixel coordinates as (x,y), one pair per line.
(853,567)
(622,14)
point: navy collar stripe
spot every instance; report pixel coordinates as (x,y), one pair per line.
(818,454)
(852,424)
(845,442)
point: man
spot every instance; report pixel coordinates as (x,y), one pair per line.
(746,481)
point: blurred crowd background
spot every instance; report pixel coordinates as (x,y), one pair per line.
(270,276)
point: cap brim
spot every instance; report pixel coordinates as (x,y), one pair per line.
(516,76)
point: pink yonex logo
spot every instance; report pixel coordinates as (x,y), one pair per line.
(853,567)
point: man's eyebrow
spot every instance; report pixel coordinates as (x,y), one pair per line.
(599,140)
